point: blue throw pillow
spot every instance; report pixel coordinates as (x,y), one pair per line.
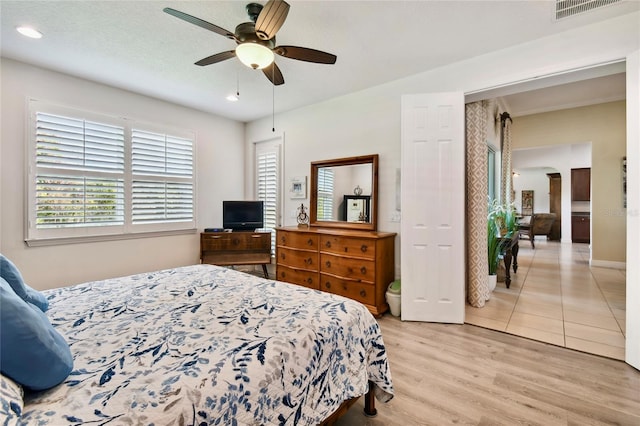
(12,275)
(32,352)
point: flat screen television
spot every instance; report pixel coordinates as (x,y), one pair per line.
(243,215)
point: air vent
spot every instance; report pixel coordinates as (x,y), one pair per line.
(566,8)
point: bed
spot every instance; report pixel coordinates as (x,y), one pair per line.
(208,345)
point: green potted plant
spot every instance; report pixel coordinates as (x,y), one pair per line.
(501,226)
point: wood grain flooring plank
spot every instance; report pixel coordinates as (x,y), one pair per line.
(446,374)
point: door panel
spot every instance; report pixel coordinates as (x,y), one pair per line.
(433,249)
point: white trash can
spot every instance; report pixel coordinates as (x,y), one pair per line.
(393,298)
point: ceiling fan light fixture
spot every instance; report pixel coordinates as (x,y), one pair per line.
(254,55)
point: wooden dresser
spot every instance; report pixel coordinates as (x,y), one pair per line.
(351,263)
(236,248)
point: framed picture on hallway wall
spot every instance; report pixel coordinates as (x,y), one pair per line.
(527,202)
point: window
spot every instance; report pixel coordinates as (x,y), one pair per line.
(98,176)
(162,187)
(267,184)
(491,173)
(325,194)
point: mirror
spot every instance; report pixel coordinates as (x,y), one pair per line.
(344,193)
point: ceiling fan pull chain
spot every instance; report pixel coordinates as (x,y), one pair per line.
(273,98)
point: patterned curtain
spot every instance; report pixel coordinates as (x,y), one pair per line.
(477,189)
(506,195)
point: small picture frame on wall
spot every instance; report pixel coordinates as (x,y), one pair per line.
(527,202)
(298,188)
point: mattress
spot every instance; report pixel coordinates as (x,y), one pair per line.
(208,345)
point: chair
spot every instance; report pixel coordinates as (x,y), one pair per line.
(540,224)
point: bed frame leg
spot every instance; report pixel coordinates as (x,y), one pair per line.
(370,402)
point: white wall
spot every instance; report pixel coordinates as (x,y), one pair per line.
(535,180)
(368,122)
(220,154)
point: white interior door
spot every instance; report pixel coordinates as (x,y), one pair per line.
(433,259)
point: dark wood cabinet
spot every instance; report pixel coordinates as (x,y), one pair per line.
(555,205)
(236,248)
(355,264)
(581,184)
(580,228)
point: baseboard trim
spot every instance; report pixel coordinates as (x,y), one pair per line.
(608,264)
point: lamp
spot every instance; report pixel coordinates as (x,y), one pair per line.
(254,55)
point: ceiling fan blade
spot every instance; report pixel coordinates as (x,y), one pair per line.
(274,74)
(218,57)
(199,22)
(271,18)
(305,54)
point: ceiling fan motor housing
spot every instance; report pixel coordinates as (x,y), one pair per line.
(246,33)
(253,10)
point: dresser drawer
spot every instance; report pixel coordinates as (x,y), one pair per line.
(357,269)
(301,259)
(349,246)
(297,276)
(297,239)
(230,241)
(362,292)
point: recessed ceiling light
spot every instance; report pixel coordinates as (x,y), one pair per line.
(29,32)
(232,98)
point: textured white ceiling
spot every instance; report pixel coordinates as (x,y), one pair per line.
(134,45)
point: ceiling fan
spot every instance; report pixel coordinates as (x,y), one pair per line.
(256,40)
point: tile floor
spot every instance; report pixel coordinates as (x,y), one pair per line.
(556,297)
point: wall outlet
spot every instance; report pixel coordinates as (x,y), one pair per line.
(395,216)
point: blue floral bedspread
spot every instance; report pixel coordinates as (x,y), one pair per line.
(205,345)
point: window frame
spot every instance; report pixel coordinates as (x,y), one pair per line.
(127,230)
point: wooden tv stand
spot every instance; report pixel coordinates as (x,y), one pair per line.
(236,248)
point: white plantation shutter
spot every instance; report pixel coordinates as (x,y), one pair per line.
(325,193)
(93,176)
(267,185)
(162,169)
(79,179)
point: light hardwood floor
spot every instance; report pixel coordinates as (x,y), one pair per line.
(468,375)
(556,297)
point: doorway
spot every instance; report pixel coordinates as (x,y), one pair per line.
(555,204)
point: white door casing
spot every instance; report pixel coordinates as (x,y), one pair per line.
(632,341)
(433,261)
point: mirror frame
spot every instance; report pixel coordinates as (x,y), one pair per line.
(348,161)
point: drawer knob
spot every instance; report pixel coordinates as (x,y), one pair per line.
(363,248)
(282,274)
(328,244)
(282,256)
(363,270)
(308,261)
(344,286)
(328,263)
(309,242)
(327,284)
(309,280)
(363,293)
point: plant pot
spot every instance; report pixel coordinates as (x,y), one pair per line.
(393,298)
(492,280)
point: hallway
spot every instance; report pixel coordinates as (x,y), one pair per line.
(555,297)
